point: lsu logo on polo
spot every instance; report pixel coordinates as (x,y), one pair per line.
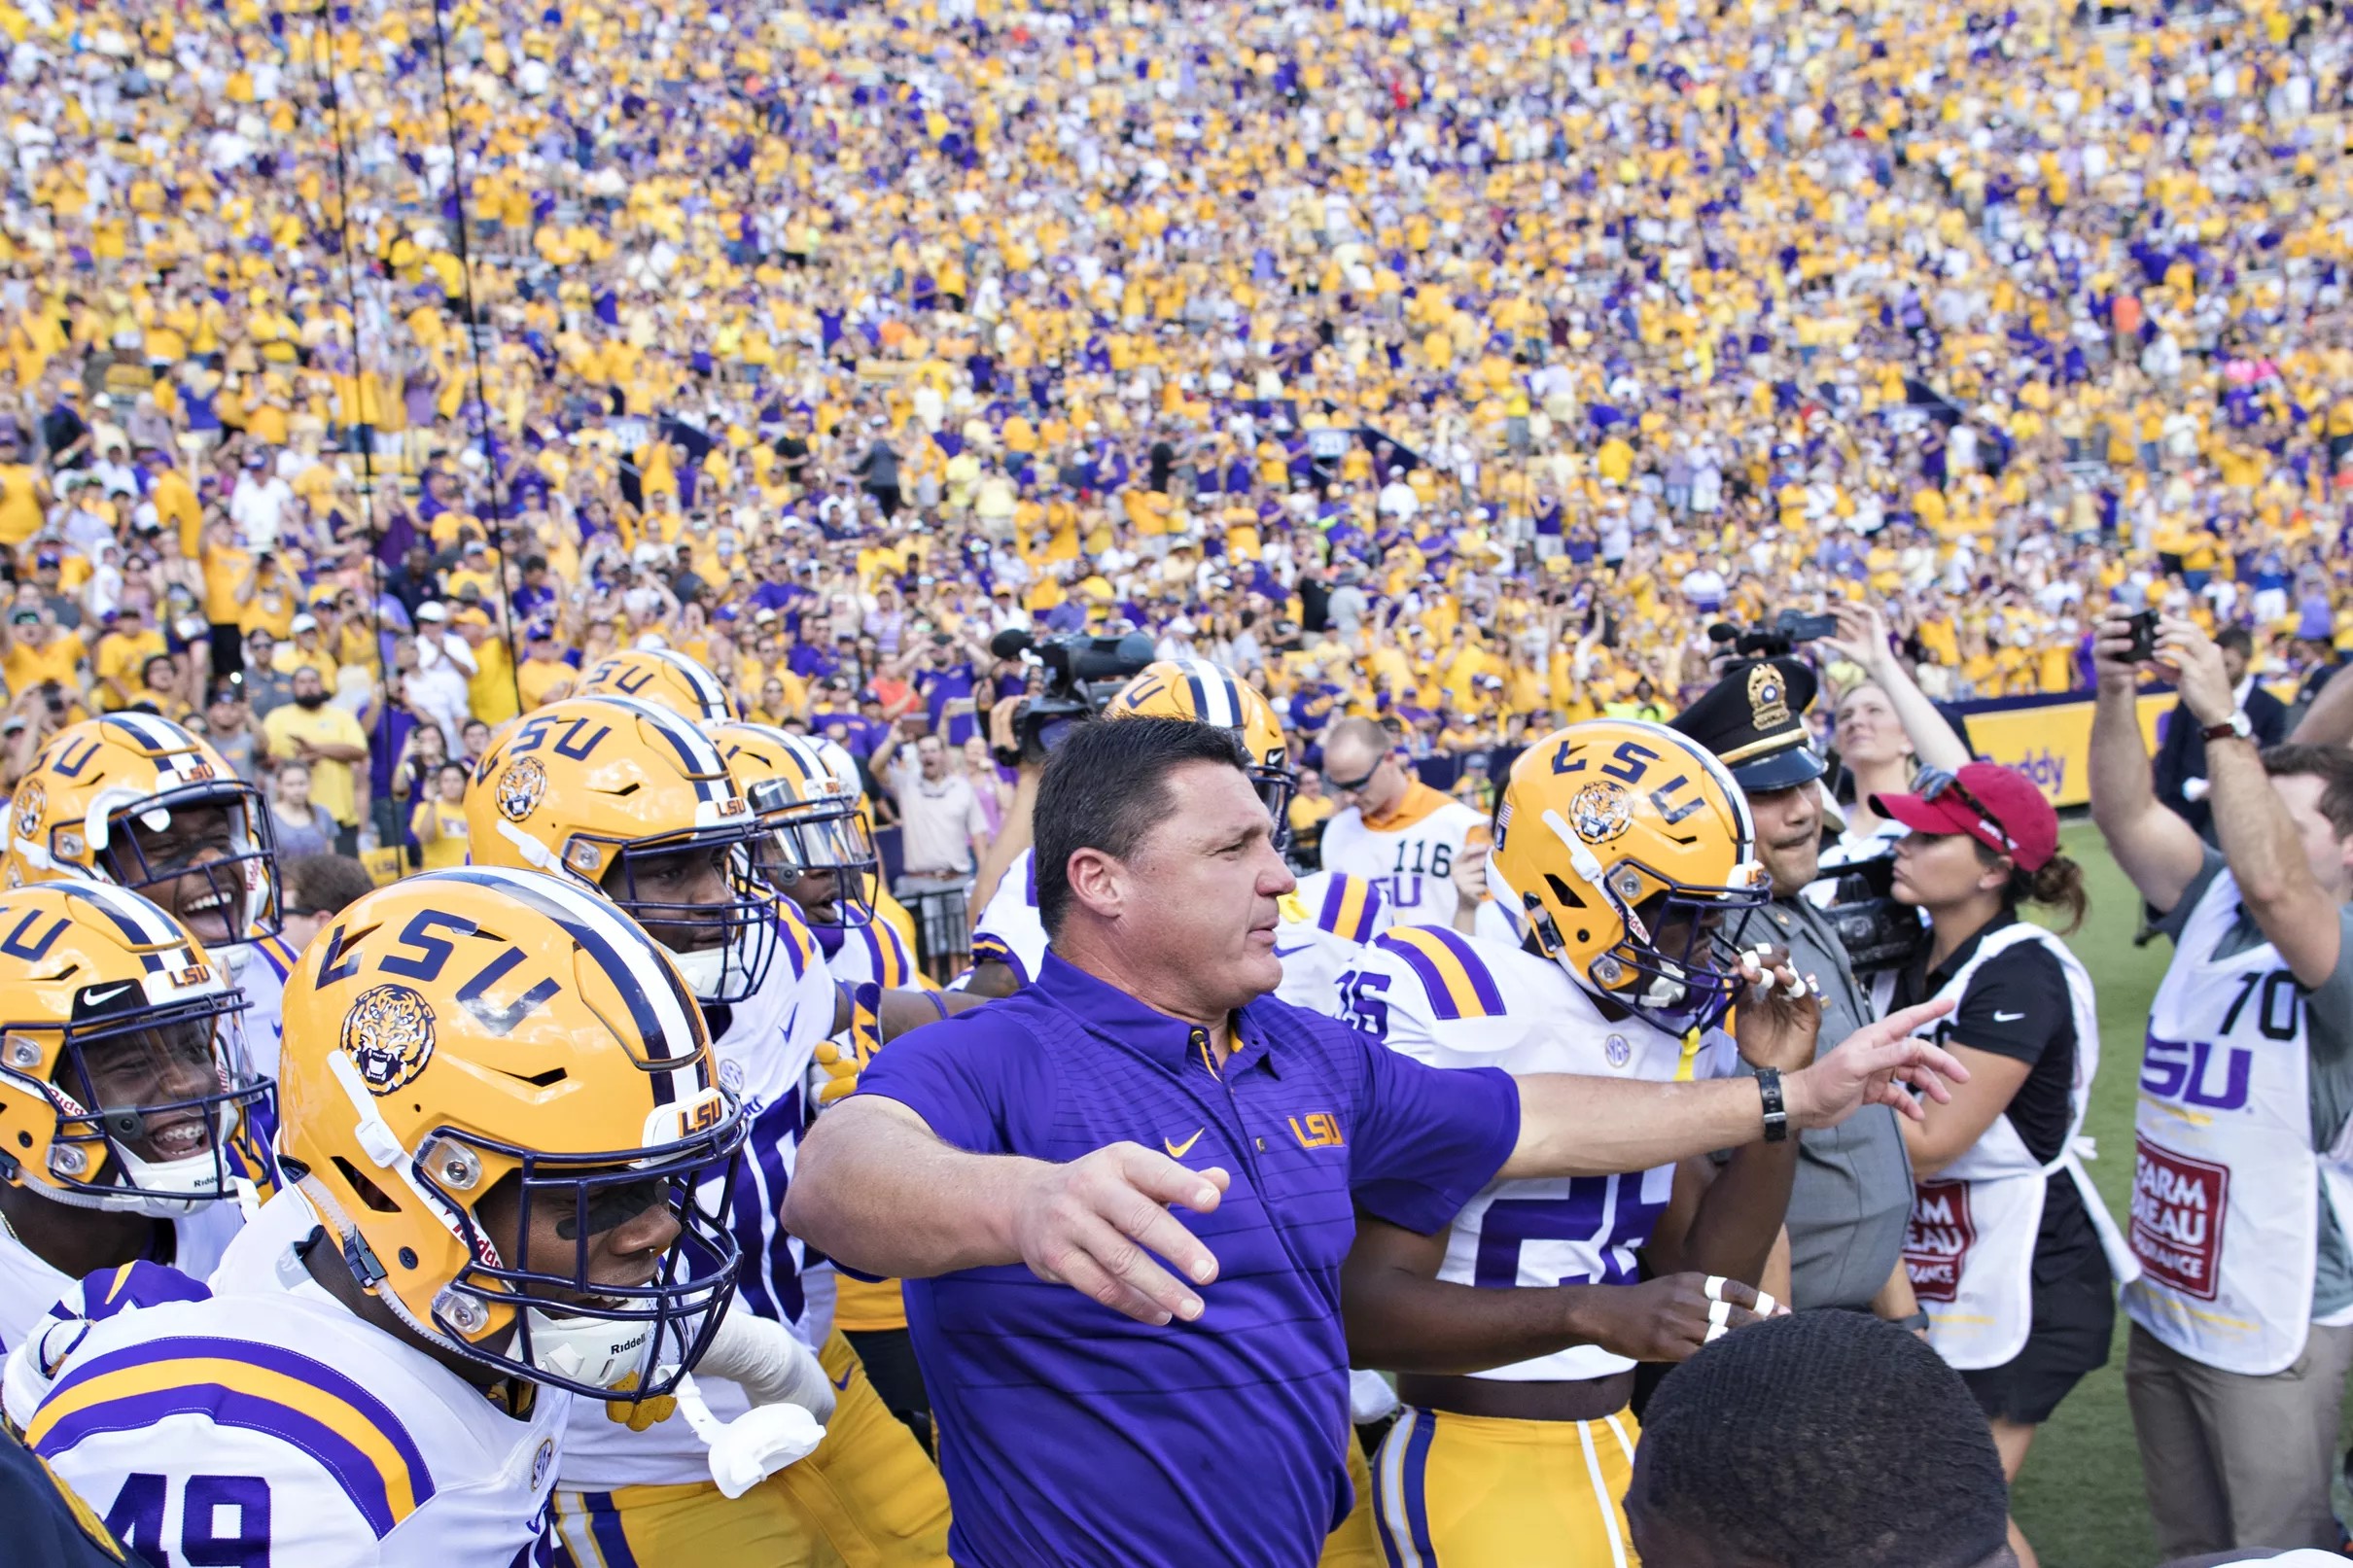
(1320,1130)
(1937,1239)
(2178,1205)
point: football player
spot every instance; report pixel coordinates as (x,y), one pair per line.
(497,1103)
(1425,848)
(120,1107)
(1009,940)
(820,856)
(626,799)
(1622,845)
(137,801)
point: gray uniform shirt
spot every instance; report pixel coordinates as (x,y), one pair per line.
(1852,1195)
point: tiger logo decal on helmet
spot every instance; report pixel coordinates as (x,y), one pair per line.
(388,1034)
(520,787)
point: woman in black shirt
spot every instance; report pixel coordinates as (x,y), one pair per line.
(1981,844)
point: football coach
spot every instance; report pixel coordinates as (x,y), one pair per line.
(1028,1167)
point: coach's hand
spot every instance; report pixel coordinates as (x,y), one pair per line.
(1663,1319)
(1872,1068)
(1097,1223)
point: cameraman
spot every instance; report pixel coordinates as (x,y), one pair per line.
(1854,1187)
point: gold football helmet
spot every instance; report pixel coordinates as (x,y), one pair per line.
(818,851)
(664,676)
(138,801)
(1621,845)
(1212,694)
(635,802)
(114,1092)
(479,1060)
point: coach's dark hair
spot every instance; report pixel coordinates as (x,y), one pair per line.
(2332,765)
(1105,786)
(1823,1440)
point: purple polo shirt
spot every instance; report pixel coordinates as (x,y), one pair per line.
(1071,1434)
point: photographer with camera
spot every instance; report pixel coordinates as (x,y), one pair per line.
(1853,1186)
(2242,1319)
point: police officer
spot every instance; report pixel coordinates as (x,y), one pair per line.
(1853,1189)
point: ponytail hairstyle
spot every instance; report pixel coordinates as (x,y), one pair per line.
(2058,884)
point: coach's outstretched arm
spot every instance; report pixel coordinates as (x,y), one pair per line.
(877,1189)
(1596,1127)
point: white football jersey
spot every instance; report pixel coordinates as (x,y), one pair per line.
(1411,853)
(1010,929)
(259,971)
(267,1425)
(1325,920)
(874,952)
(1457,1001)
(763,1059)
(29,1286)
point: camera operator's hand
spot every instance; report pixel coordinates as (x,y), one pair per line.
(2199,676)
(2112,662)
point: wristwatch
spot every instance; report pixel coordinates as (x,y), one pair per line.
(2235,727)
(1776,1113)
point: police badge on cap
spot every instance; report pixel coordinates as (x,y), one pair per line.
(1754,720)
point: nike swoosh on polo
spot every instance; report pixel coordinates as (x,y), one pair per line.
(1176,1150)
(841,1384)
(2008,1017)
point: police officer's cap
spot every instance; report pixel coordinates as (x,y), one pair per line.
(1753,719)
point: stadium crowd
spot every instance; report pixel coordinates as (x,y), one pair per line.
(1441,400)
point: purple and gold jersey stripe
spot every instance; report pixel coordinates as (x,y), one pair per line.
(1457,982)
(280,956)
(257,1387)
(1350,909)
(986,947)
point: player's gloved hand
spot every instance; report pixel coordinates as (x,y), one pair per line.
(840,1061)
(637,1415)
(772,1366)
(1667,1318)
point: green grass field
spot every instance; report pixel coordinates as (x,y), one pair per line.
(2079,1499)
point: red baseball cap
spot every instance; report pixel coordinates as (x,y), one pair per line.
(1998,807)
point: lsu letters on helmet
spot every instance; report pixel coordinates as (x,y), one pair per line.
(1620,844)
(138,801)
(1212,694)
(665,677)
(114,1092)
(818,851)
(473,1054)
(633,802)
